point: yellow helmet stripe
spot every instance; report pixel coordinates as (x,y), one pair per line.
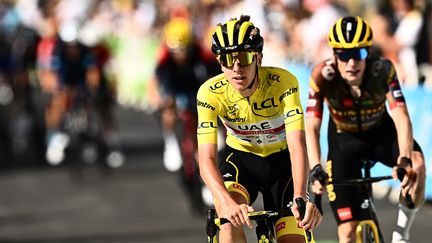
(230,31)
(220,35)
(243,28)
(368,30)
(339,32)
(359,29)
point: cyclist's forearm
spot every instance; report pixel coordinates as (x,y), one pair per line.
(210,173)
(299,161)
(313,126)
(404,132)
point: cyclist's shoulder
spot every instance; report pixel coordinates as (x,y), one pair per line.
(380,67)
(271,72)
(214,85)
(277,78)
(324,71)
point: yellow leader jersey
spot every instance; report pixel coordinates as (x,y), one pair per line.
(256,124)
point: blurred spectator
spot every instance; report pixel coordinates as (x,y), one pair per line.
(313,30)
(396,31)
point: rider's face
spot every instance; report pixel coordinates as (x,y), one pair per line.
(239,69)
(351,64)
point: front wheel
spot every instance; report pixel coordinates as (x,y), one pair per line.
(367,232)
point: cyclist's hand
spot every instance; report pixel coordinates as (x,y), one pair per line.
(237,214)
(405,173)
(312,216)
(318,177)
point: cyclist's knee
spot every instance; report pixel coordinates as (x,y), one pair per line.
(346,232)
(229,233)
(169,117)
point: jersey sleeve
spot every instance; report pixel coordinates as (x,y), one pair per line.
(314,106)
(293,111)
(207,117)
(397,98)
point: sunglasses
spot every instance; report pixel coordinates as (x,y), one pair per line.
(244,58)
(356,54)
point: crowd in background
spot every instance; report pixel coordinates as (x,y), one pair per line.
(119,42)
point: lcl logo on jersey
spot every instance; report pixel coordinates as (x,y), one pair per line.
(218,85)
(207,125)
(265,104)
(273,77)
(293,112)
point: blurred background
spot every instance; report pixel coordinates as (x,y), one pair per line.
(87,152)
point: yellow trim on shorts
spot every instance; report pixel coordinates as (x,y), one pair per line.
(288,226)
(233,186)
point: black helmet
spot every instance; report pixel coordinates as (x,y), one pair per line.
(235,36)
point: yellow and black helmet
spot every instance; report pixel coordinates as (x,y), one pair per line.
(350,32)
(237,35)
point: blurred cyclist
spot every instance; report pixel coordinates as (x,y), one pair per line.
(356,85)
(182,67)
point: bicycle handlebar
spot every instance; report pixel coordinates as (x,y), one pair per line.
(365,181)
(213,223)
(257,215)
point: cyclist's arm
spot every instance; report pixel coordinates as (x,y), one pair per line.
(297,148)
(227,207)
(207,155)
(400,117)
(295,138)
(313,126)
(226,204)
(404,130)
(314,113)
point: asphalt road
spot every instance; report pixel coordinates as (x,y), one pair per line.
(139,202)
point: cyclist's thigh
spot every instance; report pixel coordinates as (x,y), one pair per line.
(234,170)
(344,162)
(278,188)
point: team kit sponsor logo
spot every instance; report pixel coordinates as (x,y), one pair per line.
(293,112)
(207,124)
(344,213)
(218,85)
(263,132)
(288,93)
(205,105)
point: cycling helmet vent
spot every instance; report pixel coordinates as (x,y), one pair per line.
(236,35)
(350,32)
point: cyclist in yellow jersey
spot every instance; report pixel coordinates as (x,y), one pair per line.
(261,110)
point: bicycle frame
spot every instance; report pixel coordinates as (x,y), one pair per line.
(371,224)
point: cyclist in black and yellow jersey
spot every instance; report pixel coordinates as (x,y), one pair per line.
(356,85)
(266,149)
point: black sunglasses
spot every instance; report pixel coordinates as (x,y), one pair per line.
(356,54)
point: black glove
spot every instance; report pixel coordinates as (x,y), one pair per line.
(317,173)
